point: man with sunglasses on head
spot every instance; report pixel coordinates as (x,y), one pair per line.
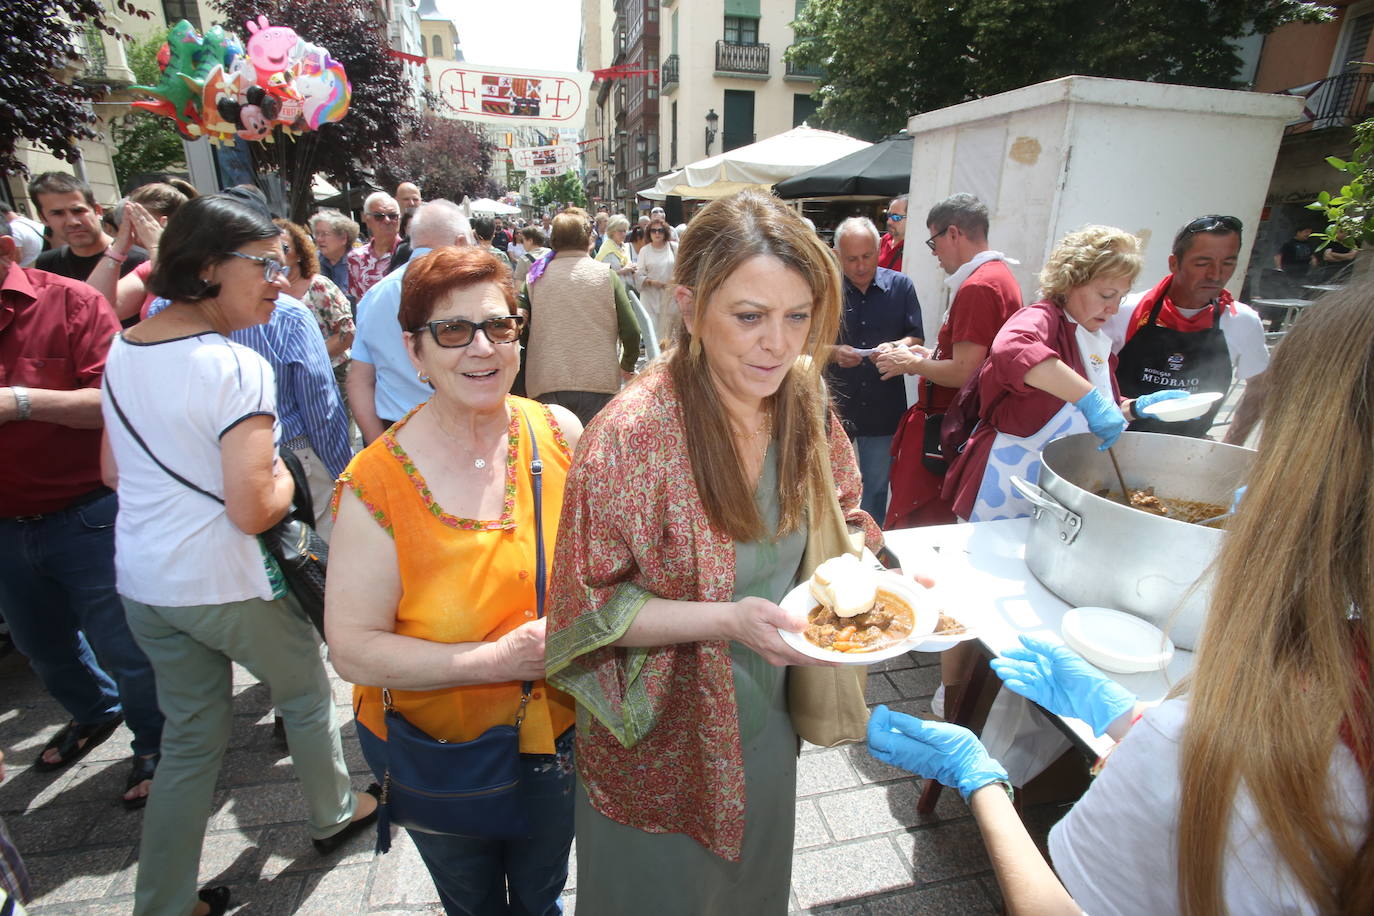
(369,263)
(1189,333)
(893,242)
(382,384)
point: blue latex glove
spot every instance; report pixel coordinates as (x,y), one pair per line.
(1060,680)
(1142,403)
(950,754)
(1104,418)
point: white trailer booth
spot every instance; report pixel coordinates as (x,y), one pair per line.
(1056,156)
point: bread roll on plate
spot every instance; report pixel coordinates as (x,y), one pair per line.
(845,585)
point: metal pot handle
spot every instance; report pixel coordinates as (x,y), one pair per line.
(1070,522)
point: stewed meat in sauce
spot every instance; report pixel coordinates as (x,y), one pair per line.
(890,621)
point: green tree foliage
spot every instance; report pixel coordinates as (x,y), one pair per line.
(886,60)
(559,191)
(446,158)
(381,102)
(145,142)
(1347,211)
(42,100)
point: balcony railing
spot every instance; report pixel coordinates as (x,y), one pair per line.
(669,80)
(1337,101)
(90,47)
(732,57)
(808,72)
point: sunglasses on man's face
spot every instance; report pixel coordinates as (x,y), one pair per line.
(896,217)
(452,333)
(386,217)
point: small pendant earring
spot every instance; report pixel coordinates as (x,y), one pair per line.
(420,374)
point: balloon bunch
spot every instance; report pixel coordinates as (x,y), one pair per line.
(212,87)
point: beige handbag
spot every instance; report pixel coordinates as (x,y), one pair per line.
(827,704)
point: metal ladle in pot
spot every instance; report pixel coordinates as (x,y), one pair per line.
(1125,493)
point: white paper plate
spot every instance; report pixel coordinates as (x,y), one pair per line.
(925,610)
(1116,641)
(1185,408)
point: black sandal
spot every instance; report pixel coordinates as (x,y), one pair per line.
(216,897)
(67,743)
(143,769)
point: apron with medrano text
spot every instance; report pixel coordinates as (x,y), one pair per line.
(1157,357)
(1019,456)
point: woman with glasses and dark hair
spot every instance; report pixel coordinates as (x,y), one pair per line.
(432,574)
(1189,332)
(190,421)
(1049,375)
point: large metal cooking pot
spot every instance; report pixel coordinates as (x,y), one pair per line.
(1091,551)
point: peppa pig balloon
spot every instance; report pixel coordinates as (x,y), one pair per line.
(269,48)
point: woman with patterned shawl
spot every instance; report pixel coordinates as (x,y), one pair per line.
(684,521)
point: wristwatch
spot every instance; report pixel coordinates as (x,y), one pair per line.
(21,401)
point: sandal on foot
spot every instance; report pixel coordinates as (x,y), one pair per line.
(330,843)
(67,743)
(216,897)
(143,770)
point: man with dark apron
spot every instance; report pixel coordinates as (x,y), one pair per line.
(1189,333)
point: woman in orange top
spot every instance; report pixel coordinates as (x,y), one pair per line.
(432,574)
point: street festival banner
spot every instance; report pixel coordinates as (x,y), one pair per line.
(507,95)
(544,161)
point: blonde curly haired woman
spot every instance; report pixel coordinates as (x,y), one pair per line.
(1050,373)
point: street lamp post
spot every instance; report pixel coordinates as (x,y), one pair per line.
(712,122)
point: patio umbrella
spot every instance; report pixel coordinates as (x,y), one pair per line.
(759,165)
(487,206)
(882,170)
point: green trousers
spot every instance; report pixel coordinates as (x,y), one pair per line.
(191,650)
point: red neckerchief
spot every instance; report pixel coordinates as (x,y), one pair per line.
(1358,735)
(1170,316)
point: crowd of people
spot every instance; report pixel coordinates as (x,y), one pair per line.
(540,529)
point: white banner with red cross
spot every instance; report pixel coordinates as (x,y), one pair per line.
(508,95)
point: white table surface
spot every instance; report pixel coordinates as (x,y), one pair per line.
(980,569)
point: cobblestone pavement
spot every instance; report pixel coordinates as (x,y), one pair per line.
(861,848)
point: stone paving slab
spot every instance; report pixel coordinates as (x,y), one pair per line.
(861,848)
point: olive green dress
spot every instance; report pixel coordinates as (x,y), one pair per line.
(623,871)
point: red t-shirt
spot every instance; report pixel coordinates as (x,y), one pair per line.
(890,252)
(54,334)
(984,302)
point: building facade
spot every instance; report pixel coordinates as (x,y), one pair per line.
(713,79)
(725,58)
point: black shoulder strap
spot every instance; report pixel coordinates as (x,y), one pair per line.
(114,402)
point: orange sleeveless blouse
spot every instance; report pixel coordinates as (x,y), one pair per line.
(466,580)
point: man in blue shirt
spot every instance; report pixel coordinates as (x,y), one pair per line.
(880,312)
(382,386)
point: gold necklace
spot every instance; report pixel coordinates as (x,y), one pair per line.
(764,428)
